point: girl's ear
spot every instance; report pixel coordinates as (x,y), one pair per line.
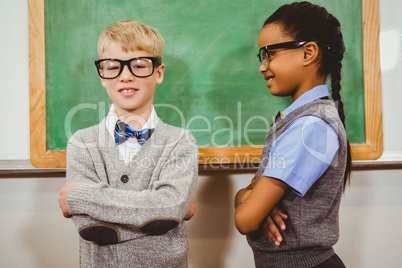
(311,53)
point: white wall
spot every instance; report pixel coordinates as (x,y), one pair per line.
(34,234)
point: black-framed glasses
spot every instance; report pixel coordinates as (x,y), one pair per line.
(264,54)
(139,67)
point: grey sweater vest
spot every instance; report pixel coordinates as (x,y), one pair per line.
(313,224)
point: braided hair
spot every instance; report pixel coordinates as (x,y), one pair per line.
(308,22)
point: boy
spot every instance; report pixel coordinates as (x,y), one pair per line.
(130,178)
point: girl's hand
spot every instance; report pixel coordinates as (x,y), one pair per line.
(245,196)
(252,210)
(270,227)
(253,181)
(244,193)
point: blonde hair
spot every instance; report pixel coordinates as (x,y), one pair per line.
(132,35)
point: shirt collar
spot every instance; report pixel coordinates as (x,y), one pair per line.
(112,118)
(309,96)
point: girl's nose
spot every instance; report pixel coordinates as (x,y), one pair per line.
(262,69)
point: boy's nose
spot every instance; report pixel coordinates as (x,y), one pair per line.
(126,74)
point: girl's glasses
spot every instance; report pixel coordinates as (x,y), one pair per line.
(264,55)
(139,67)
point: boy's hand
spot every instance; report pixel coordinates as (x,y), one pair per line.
(191,210)
(270,228)
(63,198)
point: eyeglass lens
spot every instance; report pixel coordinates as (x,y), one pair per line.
(264,57)
(138,67)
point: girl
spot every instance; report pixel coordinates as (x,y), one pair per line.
(299,46)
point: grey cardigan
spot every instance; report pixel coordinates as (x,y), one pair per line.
(132,215)
(313,224)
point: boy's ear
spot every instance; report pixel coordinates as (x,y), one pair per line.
(103,82)
(311,53)
(159,72)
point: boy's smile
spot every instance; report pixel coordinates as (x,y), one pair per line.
(131,95)
(128,92)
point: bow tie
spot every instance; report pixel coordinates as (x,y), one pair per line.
(122,132)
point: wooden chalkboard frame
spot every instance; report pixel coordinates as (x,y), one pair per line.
(42,158)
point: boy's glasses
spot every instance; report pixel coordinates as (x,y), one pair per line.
(264,54)
(139,67)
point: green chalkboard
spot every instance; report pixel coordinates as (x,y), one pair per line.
(211,85)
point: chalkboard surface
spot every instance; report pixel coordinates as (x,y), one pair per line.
(211,87)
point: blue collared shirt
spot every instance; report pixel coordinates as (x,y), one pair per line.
(304,151)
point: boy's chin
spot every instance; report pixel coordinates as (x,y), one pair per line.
(127,109)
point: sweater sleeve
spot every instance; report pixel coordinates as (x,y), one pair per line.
(156,209)
(81,169)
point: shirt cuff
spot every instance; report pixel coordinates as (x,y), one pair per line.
(292,179)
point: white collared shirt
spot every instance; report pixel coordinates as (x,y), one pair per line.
(130,148)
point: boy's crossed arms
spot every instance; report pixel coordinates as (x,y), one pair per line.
(107,215)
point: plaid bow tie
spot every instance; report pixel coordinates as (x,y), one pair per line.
(122,132)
